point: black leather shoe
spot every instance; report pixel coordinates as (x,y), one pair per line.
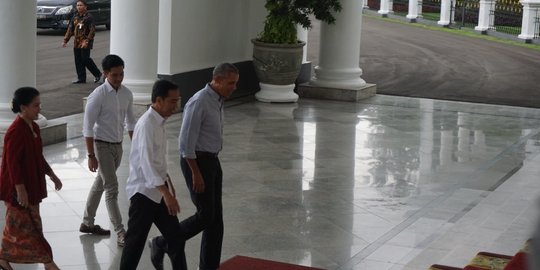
(78,82)
(96,229)
(156,253)
(97,79)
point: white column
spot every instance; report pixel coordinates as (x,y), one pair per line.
(478,148)
(384,8)
(464,142)
(447,147)
(426,141)
(302,35)
(445,19)
(531,11)
(18,57)
(339,51)
(485,15)
(366,4)
(413,10)
(134,37)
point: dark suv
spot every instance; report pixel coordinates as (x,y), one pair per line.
(57,13)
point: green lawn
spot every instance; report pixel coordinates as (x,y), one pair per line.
(432,16)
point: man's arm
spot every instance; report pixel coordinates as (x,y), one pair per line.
(197,179)
(170,200)
(130,120)
(69,33)
(91,113)
(92,160)
(149,160)
(91,30)
(189,134)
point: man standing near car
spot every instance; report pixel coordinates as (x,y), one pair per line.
(82,28)
(108,111)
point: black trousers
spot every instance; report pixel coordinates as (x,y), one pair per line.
(83,61)
(142,213)
(209,215)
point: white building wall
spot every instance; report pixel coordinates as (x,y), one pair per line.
(222,33)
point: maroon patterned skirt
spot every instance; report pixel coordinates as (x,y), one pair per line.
(23,240)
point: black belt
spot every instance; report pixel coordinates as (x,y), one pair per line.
(206,154)
(100,141)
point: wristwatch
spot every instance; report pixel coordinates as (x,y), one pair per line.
(91,155)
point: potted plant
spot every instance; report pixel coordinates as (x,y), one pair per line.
(277,52)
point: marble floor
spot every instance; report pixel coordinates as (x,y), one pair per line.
(387,183)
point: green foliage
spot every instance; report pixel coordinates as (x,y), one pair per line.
(283,15)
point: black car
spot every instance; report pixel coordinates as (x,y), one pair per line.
(57,13)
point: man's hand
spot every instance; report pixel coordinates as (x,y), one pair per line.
(93,164)
(172,204)
(198,182)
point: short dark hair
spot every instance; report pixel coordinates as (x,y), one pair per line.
(223,70)
(161,89)
(110,61)
(23,96)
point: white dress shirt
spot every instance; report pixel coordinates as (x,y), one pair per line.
(107,112)
(147,159)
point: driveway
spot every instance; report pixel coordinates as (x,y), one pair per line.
(401,59)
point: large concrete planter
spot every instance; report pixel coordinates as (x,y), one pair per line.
(277,66)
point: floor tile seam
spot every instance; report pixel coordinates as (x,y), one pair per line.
(424,110)
(388,262)
(468,208)
(64,202)
(513,148)
(364,253)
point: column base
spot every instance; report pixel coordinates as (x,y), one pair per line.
(54,131)
(411,18)
(443,23)
(140,106)
(481,30)
(526,38)
(308,90)
(339,83)
(383,13)
(276,93)
(139,88)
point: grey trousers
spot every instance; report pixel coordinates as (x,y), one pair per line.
(109,157)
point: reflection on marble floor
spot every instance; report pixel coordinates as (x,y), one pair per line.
(388,183)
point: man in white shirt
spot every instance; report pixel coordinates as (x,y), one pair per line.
(108,109)
(149,186)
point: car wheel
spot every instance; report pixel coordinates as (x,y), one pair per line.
(108,26)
